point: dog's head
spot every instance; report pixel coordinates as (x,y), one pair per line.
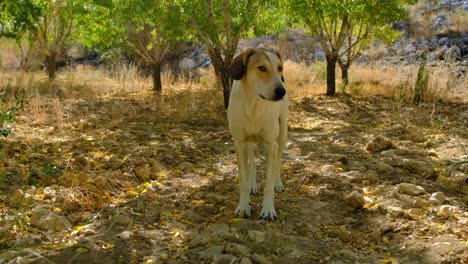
(261,69)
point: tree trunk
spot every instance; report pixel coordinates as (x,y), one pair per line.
(331,74)
(157,84)
(344,75)
(221,68)
(51,66)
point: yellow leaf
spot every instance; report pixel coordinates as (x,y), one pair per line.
(187,222)
(79,228)
(166,213)
(177,216)
(89,138)
(389,260)
(385,240)
(124,159)
(81,250)
(198,202)
(235,220)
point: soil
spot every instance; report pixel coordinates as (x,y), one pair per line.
(140,179)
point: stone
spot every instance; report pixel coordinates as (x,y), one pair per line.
(379,144)
(211,253)
(415,213)
(224,259)
(355,199)
(213,233)
(257,236)
(419,167)
(452,54)
(372,176)
(186,166)
(395,210)
(414,134)
(46,220)
(237,249)
(381,167)
(411,189)
(144,173)
(420,203)
(125,235)
(446,209)
(259,259)
(327,168)
(437,198)
(245,260)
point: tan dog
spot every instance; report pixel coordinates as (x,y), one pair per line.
(258,113)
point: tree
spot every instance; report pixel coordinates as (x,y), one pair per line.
(219,25)
(148,27)
(341,25)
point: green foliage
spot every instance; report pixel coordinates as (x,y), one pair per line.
(422,82)
(16,17)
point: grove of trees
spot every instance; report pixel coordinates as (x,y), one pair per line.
(150,28)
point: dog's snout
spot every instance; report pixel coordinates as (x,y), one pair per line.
(279,92)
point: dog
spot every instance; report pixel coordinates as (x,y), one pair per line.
(258,113)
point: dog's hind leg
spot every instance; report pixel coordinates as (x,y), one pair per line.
(268,210)
(243,209)
(252,170)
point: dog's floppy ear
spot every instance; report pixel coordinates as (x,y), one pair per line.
(239,64)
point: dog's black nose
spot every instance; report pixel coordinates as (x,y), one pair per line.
(279,93)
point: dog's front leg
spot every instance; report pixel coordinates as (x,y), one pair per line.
(252,171)
(243,209)
(268,210)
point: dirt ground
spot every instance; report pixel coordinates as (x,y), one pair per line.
(140,179)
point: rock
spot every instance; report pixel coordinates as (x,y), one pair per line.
(237,249)
(414,134)
(446,209)
(411,189)
(224,259)
(257,236)
(327,168)
(213,233)
(144,173)
(419,167)
(19,197)
(352,176)
(440,22)
(372,176)
(48,221)
(355,199)
(395,210)
(452,54)
(245,260)
(420,203)
(381,167)
(437,198)
(259,259)
(125,235)
(415,213)
(211,253)
(186,166)
(379,144)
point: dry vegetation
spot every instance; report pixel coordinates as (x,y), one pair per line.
(144,178)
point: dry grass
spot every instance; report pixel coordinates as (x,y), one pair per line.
(46,99)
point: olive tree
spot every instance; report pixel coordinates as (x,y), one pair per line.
(340,26)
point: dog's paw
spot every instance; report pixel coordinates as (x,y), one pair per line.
(243,212)
(253,190)
(268,214)
(279,187)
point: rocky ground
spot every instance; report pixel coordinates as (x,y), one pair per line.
(139,179)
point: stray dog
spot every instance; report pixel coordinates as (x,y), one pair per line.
(258,113)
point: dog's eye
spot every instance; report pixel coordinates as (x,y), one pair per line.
(262,68)
(280,68)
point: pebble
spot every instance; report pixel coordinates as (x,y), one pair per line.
(210,253)
(245,260)
(327,168)
(411,189)
(237,249)
(395,210)
(355,199)
(420,203)
(46,220)
(419,167)
(257,236)
(379,144)
(415,212)
(372,176)
(125,235)
(414,134)
(437,198)
(446,209)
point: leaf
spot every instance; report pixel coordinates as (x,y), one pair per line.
(389,260)
(81,250)
(235,220)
